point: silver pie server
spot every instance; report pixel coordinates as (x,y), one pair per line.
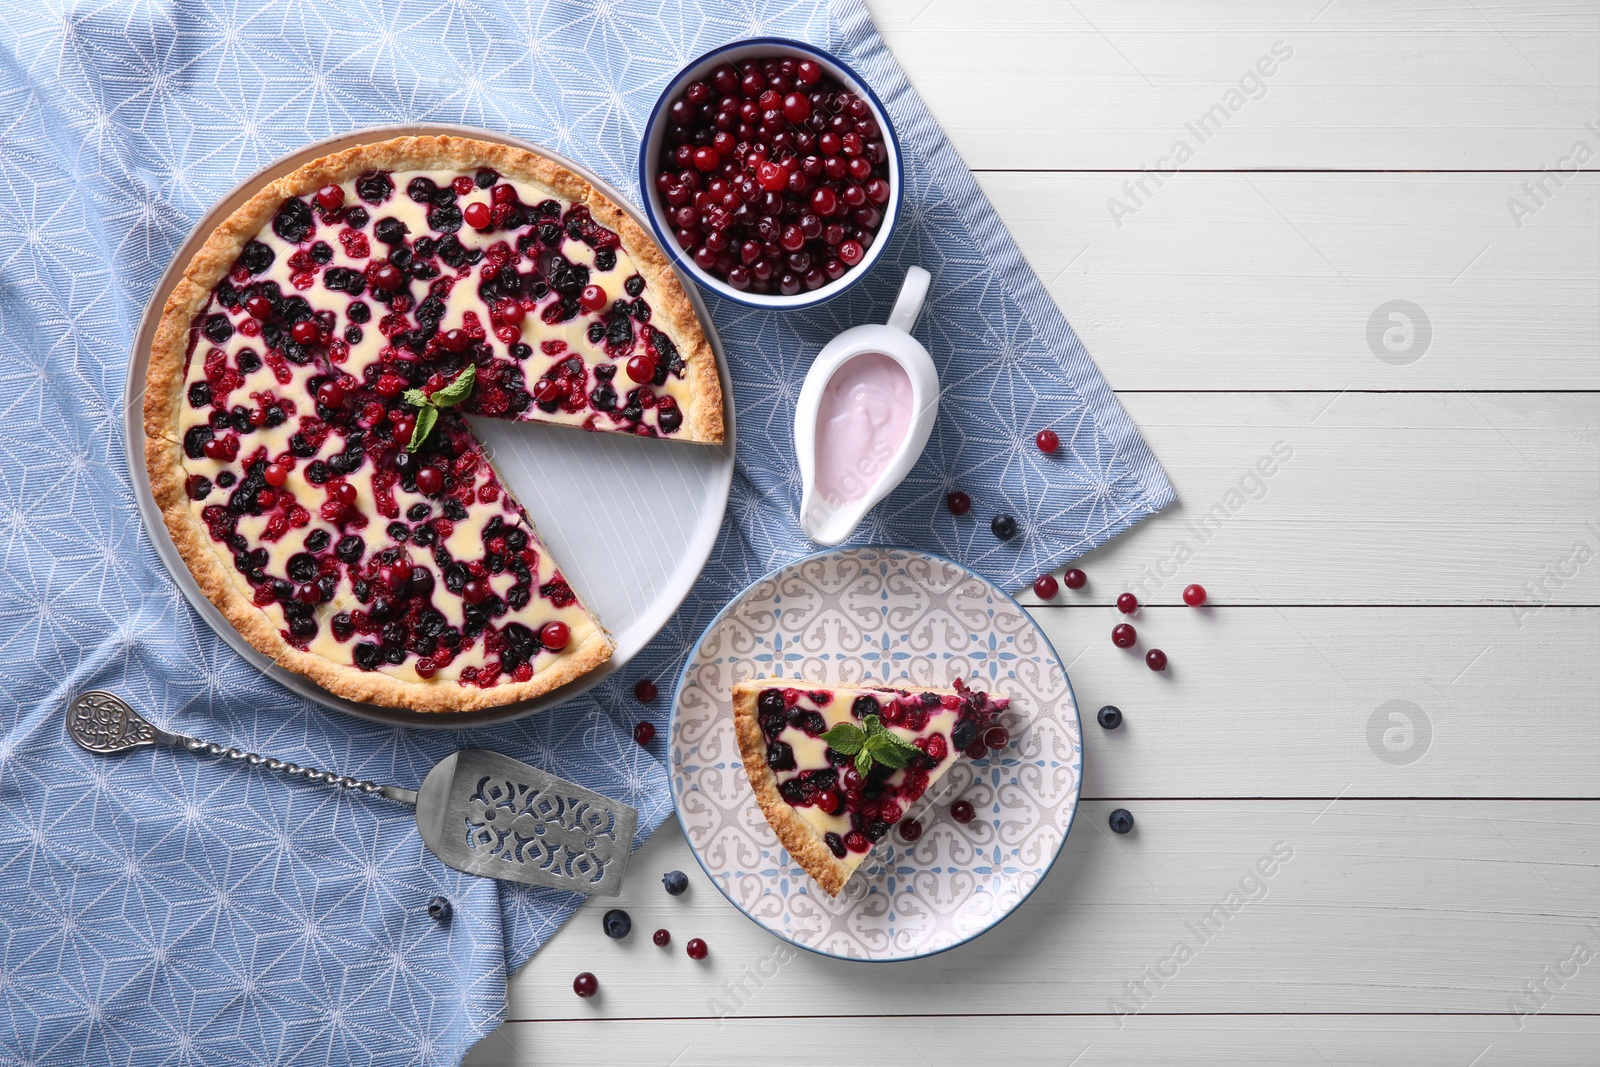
(478,811)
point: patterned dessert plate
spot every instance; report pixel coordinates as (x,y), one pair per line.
(883,615)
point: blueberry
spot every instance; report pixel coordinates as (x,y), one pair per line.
(1110,717)
(1004,527)
(1121,821)
(675,882)
(440,909)
(617,923)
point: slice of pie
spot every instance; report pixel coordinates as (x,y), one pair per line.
(303,425)
(802,750)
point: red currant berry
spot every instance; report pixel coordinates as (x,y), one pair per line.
(1155,659)
(706,159)
(258,306)
(1194,595)
(644,733)
(662,938)
(997,737)
(828,801)
(962,812)
(275,475)
(330,198)
(426,667)
(1045,587)
(344,493)
(477,215)
(696,949)
(796,108)
(1047,441)
(387,277)
(1127,603)
(911,829)
(1123,635)
(644,690)
(476,591)
(642,368)
(555,636)
(429,480)
(1076,579)
(809,72)
(331,394)
(586,985)
(304,331)
(959,503)
(593,298)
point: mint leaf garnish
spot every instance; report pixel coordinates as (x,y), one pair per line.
(428,406)
(845,739)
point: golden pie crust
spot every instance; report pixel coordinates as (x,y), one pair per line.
(164,385)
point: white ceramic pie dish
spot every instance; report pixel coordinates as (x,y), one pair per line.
(588,493)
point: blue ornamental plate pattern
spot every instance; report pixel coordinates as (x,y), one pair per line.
(897,616)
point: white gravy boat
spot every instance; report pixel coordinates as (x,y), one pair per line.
(863,417)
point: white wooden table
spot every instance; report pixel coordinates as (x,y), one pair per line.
(1433,539)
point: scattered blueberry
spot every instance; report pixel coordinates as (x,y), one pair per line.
(1004,527)
(1121,821)
(617,923)
(675,882)
(1110,717)
(440,909)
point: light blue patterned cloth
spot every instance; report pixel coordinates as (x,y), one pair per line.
(161,909)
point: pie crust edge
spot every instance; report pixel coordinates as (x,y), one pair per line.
(164,383)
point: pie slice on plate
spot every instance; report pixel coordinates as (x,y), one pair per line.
(303,425)
(835,768)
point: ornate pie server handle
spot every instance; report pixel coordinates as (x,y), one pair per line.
(105,723)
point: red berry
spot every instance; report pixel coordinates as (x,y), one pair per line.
(856,841)
(304,331)
(387,277)
(796,107)
(1047,441)
(771,176)
(642,368)
(997,737)
(1076,579)
(1155,659)
(343,492)
(662,938)
(258,306)
(828,801)
(429,480)
(1045,587)
(962,812)
(477,215)
(851,253)
(911,829)
(644,690)
(455,341)
(476,591)
(330,198)
(426,667)
(644,733)
(586,985)
(1123,635)
(809,72)
(959,503)
(275,475)
(1127,603)
(696,949)
(706,159)
(331,394)
(593,298)
(1194,595)
(555,636)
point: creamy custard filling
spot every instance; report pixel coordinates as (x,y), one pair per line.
(294,425)
(849,811)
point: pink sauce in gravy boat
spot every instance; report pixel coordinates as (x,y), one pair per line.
(863,417)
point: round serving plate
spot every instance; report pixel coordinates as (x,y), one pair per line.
(589,493)
(883,615)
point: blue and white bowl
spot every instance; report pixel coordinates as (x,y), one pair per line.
(656,208)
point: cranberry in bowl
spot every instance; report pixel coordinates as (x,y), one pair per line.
(771,173)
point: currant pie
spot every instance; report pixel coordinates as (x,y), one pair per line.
(303,416)
(835,769)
